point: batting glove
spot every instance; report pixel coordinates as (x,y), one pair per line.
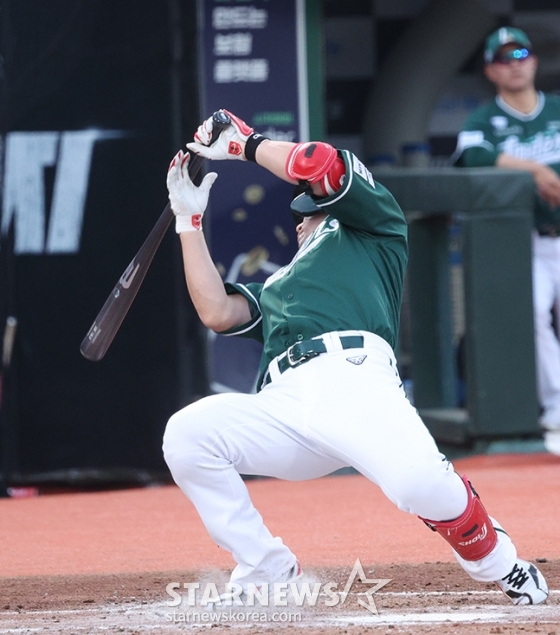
(229,145)
(188,202)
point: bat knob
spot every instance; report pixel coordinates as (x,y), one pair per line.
(221,118)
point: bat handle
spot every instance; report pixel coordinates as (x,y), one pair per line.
(220,120)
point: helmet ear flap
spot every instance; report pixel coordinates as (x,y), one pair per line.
(301,188)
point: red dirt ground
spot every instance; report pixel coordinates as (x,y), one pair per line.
(63,550)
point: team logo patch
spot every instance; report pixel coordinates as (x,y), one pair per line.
(499,122)
(234,148)
(356,360)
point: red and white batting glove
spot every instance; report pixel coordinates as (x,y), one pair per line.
(229,145)
(188,202)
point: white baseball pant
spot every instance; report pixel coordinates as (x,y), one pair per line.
(326,414)
(546,296)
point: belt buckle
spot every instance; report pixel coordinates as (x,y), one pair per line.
(292,362)
(290,357)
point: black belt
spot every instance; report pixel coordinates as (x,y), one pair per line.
(302,352)
(553,231)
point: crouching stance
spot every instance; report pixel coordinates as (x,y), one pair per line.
(329,393)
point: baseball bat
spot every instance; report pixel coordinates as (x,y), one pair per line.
(109,319)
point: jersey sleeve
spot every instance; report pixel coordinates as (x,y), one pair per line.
(363,203)
(475,147)
(252,292)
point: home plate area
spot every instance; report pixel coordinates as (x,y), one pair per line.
(430,598)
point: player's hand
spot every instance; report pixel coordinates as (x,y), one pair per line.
(548,184)
(229,145)
(188,202)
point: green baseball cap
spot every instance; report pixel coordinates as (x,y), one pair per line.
(501,37)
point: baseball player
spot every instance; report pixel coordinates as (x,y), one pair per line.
(330,393)
(520,130)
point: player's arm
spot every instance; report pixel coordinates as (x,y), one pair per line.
(546,179)
(326,170)
(216,309)
(474,149)
(315,162)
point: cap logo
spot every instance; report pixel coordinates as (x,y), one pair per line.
(504,36)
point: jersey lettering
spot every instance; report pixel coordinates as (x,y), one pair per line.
(542,148)
(360,169)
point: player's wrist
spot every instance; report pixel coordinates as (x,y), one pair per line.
(251,144)
(188,223)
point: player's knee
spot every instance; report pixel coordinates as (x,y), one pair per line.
(432,492)
(181,443)
(171,441)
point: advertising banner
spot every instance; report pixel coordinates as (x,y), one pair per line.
(253,64)
(86,145)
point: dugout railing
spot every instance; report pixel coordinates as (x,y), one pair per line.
(495,358)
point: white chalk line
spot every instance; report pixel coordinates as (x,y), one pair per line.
(440,593)
(146,617)
(163,605)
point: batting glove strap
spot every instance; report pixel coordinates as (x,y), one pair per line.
(188,223)
(251,145)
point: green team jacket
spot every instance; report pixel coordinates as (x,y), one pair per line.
(496,127)
(347,275)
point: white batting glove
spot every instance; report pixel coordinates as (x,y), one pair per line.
(188,202)
(229,145)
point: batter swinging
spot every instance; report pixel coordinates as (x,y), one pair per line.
(330,394)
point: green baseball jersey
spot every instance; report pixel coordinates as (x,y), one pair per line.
(348,275)
(496,127)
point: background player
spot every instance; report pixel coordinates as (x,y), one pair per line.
(330,394)
(520,130)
